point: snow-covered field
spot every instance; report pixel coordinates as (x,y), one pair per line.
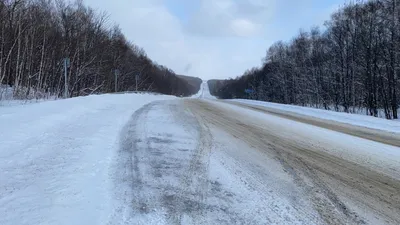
(56,158)
(353,119)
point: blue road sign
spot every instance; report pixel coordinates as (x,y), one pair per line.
(249,91)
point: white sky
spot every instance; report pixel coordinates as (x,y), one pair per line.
(212,38)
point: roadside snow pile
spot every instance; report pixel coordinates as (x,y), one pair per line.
(56,158)
(198,94)
(9,97)
(6,92)
(353,119)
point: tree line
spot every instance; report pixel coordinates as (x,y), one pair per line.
(351,64)
(36,36)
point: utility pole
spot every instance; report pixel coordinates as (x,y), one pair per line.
(136,79)
(66,65)
(116,73)
(395,37)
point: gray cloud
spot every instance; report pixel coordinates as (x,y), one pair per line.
(221,18)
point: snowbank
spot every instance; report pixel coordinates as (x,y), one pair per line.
(56,158)
(6,92)
(353,119)
(10,97)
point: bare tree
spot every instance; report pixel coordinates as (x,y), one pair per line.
(352,65)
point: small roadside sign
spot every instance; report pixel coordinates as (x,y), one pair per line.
(249,91)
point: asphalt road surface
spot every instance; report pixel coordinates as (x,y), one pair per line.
(198,161)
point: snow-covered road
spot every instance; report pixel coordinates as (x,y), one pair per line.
(345,179)
(143,159)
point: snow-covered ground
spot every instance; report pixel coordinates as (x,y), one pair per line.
(155,159)
(6,92)
(174,168)
(9,97)
(56,158)
(353,119)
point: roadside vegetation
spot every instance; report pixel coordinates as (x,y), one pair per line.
(37,37)
(351,65)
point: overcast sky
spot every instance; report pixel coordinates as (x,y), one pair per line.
(212,38)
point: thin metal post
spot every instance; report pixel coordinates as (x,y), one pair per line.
(136,78)
(116,80)
(65,78)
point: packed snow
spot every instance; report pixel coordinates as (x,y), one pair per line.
(353,119)
(187,172)
(154,159)
(384,158)
(56,157)
(204,92)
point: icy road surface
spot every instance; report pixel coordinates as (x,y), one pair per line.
(203,162)
(108,160)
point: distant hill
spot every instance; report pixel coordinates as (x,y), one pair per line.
(195,82)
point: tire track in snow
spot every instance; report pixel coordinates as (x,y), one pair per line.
(126,173)
(197,176)
(162,167)
(339,189)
